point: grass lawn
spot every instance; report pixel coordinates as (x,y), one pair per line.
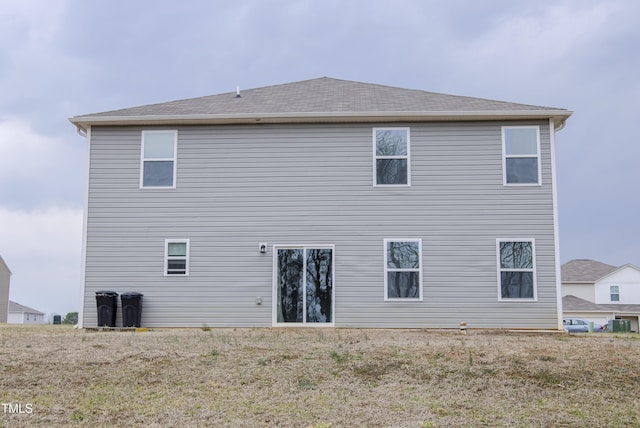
(58,376)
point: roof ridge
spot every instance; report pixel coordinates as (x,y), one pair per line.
(400,88)
(585,270)
(323,99)
(590,261)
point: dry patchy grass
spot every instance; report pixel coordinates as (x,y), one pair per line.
(317,378)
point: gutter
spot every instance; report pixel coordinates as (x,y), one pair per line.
(82,122)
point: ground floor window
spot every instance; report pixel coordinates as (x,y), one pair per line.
(516,269)
(176,259)
(304,284)
(403,269)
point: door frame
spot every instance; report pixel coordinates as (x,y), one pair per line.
(274,291)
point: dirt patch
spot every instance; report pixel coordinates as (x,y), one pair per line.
(57,376)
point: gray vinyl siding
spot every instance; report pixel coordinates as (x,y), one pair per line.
(237,186)
(5,277)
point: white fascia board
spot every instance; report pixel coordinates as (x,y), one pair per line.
(83,121)
(621,268)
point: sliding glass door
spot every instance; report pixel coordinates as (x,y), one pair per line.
(303,284)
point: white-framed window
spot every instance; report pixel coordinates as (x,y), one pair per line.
(158,159)
(176,257)
(614,293)
(516,269)
(521,155)
(403,269)
(391,157)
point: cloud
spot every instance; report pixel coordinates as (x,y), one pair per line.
(533,51)
(39,78)
(37,171)
(43,251)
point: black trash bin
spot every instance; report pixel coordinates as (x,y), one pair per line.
(131,309)
(107,302)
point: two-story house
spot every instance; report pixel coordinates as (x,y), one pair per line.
(599,292)
(326,203)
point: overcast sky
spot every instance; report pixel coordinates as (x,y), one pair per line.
(62,58)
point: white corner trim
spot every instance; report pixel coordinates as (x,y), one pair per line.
(85,215)
(556,226)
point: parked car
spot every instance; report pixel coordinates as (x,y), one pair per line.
(574,325)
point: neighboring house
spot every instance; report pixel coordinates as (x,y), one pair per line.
(599,292)
(5,279)
(325,203)
(579,277)
(20,314)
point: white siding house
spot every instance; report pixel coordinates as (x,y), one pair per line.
(622,286)
(579,277)
(599,292)
(5,279)
(325,203)
(20,314)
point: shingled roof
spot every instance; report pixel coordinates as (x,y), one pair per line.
(17,307)
(576,304)
(583,270)
(572,303)
(322,100)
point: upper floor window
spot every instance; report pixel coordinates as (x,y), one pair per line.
(614,293)
(521,153)
(516,269)
(158,160)
(403,269)
(176,260)
(391,149)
